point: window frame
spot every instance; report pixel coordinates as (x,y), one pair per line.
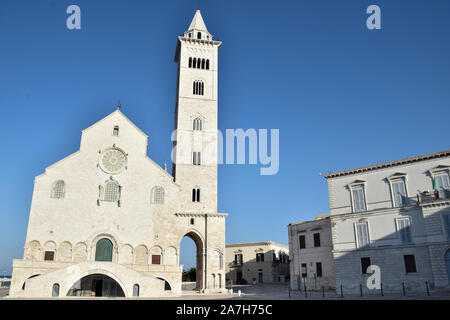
(396,178)
(300,242)
(153,195)
(319,269)
(442,173)
(358,245)
(399,231)
(53,191)
(364,270)
(356,186)
(316,240)
(413,261)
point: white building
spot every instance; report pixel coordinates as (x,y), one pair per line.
(311,258)
(108,221)
(395,215)
(256,262)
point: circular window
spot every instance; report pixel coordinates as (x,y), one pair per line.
(112,161)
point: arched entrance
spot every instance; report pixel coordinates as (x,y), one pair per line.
(447,263)
(96,285)
(187,259)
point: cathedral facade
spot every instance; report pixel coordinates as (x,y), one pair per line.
(108,221)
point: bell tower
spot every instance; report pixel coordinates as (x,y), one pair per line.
(195,136)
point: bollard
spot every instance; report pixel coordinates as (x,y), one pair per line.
(360,289)
(381,286)
(289,291)
(403,289)
(428,290)
(323,292)
(342,292)
(306,292)
(239,293)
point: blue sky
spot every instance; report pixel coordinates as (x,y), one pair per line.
(341,95)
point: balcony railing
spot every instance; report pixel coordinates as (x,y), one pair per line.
(432,196)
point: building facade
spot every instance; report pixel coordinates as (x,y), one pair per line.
(108,221)
(256,262)
(394,215)
(311,257)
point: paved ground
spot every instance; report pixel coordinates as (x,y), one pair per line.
(281,292)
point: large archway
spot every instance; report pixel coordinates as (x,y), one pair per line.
(192,254)
(96,285)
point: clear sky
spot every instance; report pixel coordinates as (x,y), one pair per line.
(341,95)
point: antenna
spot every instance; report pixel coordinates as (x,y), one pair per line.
(119,105)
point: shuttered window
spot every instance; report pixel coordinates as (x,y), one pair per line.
(156,259)
(238,259)
(362,230)
(399,192)
(442,181)
(404,228)
(359,200)
(49,255)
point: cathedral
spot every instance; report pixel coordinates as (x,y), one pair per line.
(108,221)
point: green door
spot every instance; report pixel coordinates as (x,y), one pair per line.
(103,250)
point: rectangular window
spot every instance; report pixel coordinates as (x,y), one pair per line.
(362,231)
(49,255)
(319,269)
(156,259)
(302,242)
(447,224)
(365,263)
(196,158)
(316,239)
(399,192)
(404,228)
(304,270)
(260,257)
(238,259)
(442,181)
(359,200)
(410,263)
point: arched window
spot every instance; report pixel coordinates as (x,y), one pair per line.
(194,63)
(203,63)
(198,87)
(111,191)
(104,250)
(55,290)
(157,195)
(199,35)
(192,221)
(190,62)
(197,124)
(116,131)
(136,290)
(207,64)
(196,195)
(58,189)
(199,63)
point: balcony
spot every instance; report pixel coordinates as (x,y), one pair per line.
(432,196)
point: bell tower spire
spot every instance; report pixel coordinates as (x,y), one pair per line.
(197,28)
